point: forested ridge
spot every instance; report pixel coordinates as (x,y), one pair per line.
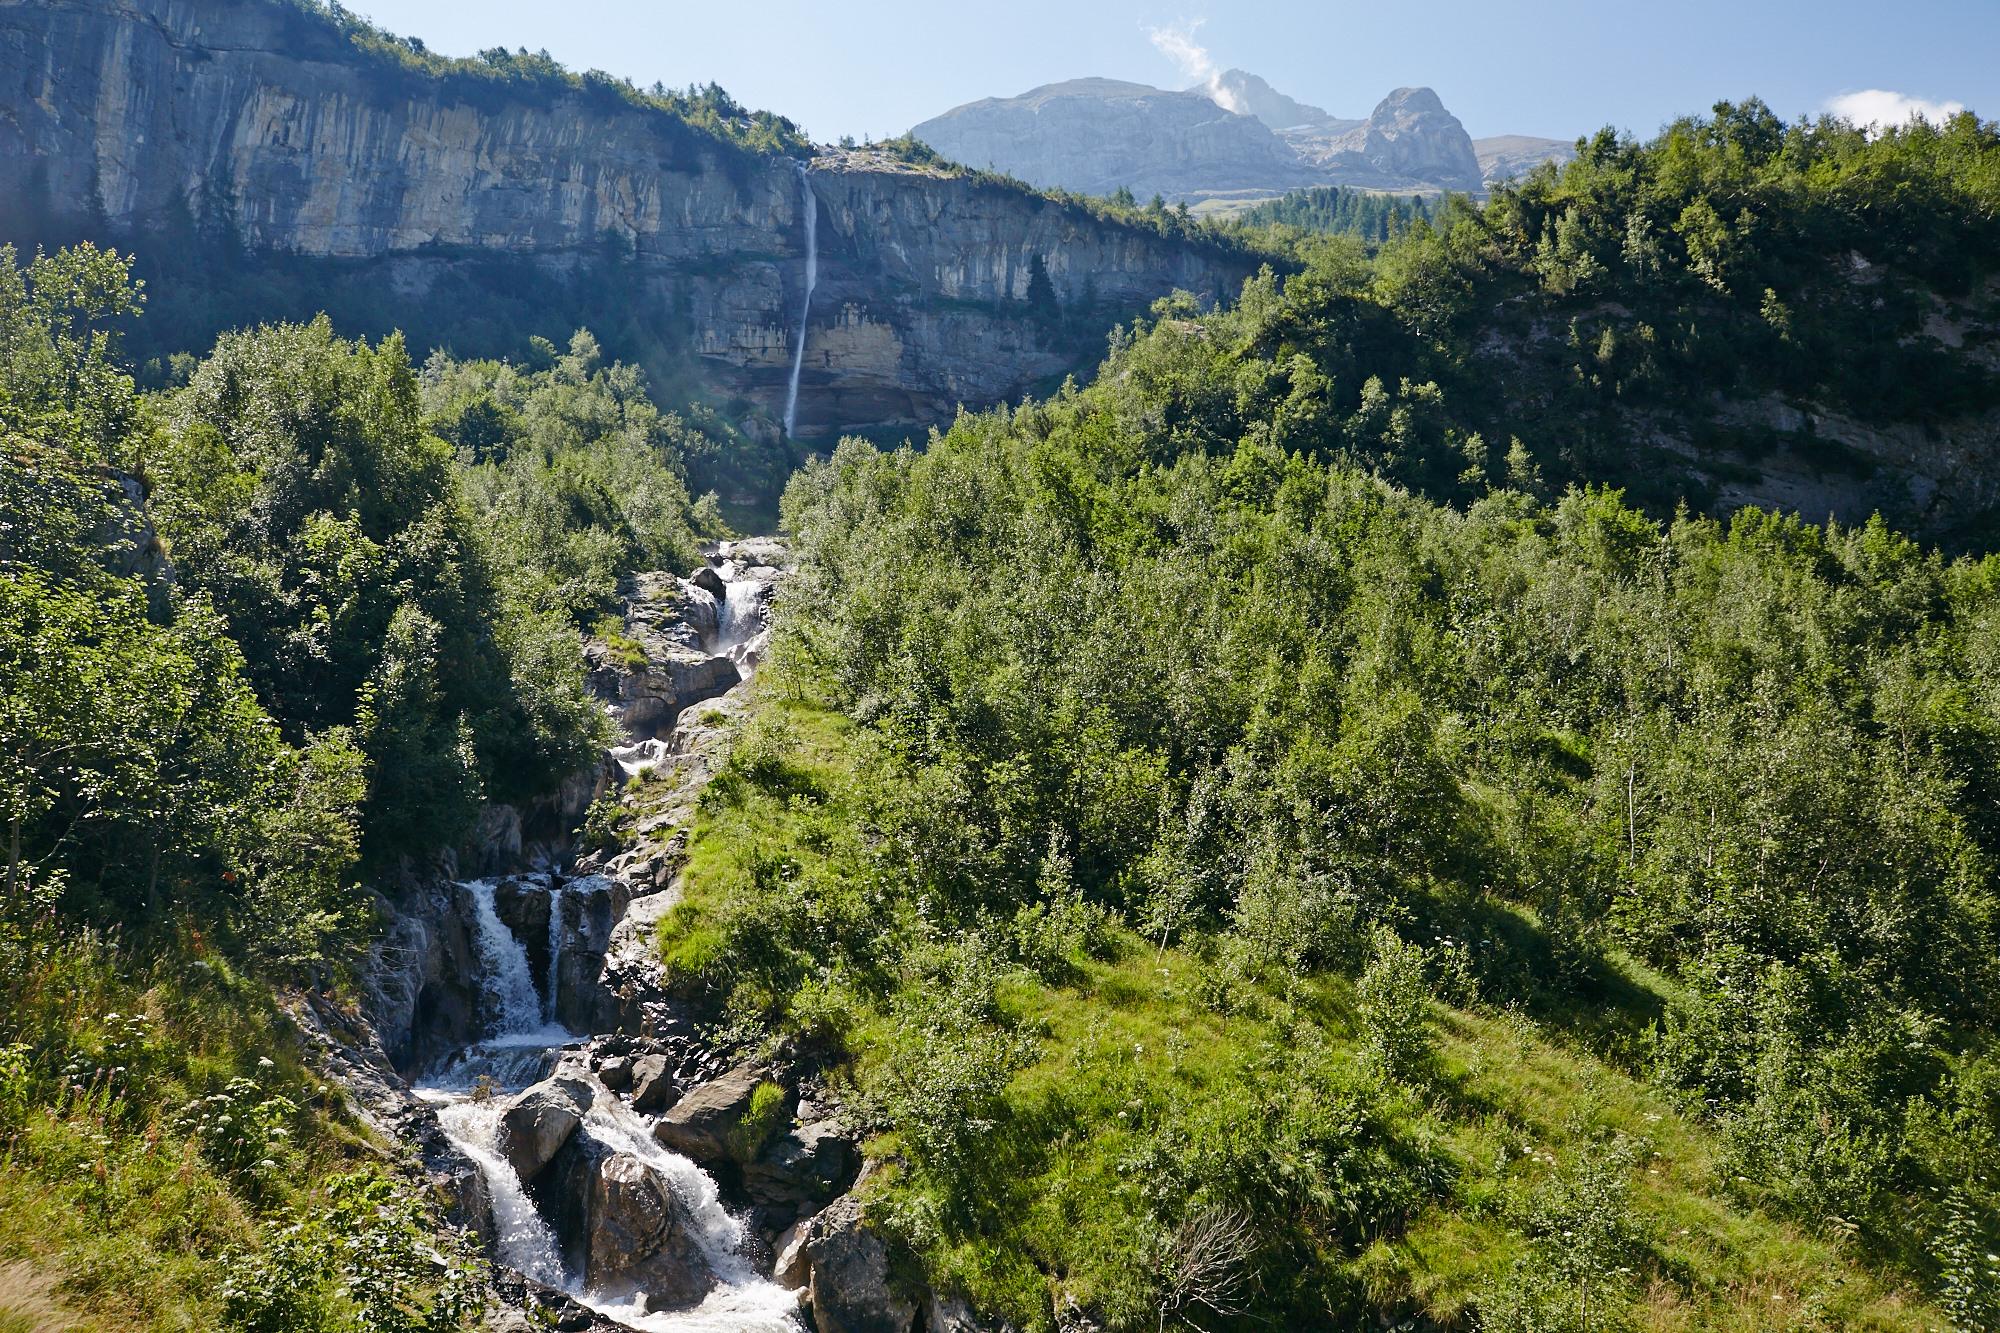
(1338,210)
(1320,827)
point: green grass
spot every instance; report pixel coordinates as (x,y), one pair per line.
(125,1201)
(1150,1077)
(631,654)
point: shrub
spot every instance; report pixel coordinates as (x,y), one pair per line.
(367,1260)
(1395,1005)
(769,1112)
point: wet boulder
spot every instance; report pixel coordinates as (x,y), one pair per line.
(637,1234)
(590,906)
(622,1226)
(540,1121)
(522,904)
(710,582)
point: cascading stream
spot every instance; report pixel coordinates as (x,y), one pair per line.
(810,214)
(525,1242)
(521,1047)
(741,618)
(506,982)
(743,1301)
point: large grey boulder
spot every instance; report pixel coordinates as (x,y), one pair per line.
(622,1226)
(808,1164)
(541,1120)
(653,1085)
(848,1284)
(638,1235)
(701,1123)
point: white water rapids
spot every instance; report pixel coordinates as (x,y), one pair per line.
(522,1046)
(810,214)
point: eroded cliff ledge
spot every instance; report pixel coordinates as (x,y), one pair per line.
(262,119)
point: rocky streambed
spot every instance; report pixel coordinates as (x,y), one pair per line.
(623,1169)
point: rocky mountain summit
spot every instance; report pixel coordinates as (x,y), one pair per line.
(1235,139)
(1408,143)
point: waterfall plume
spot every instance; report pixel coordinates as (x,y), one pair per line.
(810,213)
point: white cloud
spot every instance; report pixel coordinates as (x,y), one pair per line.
(1877,108)
(1176,42)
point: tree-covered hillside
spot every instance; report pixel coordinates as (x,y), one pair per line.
(1244,888)
(1738,307)
(1338,211)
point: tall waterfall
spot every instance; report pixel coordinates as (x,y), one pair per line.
(811,214)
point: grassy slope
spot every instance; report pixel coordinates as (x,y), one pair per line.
(125,1201)
(1135,1041)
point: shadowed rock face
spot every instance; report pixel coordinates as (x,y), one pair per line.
(130,116)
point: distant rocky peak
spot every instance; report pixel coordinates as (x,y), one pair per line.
(1253,96)
(1411,101)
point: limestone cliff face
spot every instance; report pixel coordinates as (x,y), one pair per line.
(132,113)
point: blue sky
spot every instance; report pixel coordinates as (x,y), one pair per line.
(1555,68)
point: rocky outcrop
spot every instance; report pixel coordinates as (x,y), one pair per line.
(702,1124)
(663,663)
(347,1048)
(843,1266)
(807,1164)
(263,119)
(420,984)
